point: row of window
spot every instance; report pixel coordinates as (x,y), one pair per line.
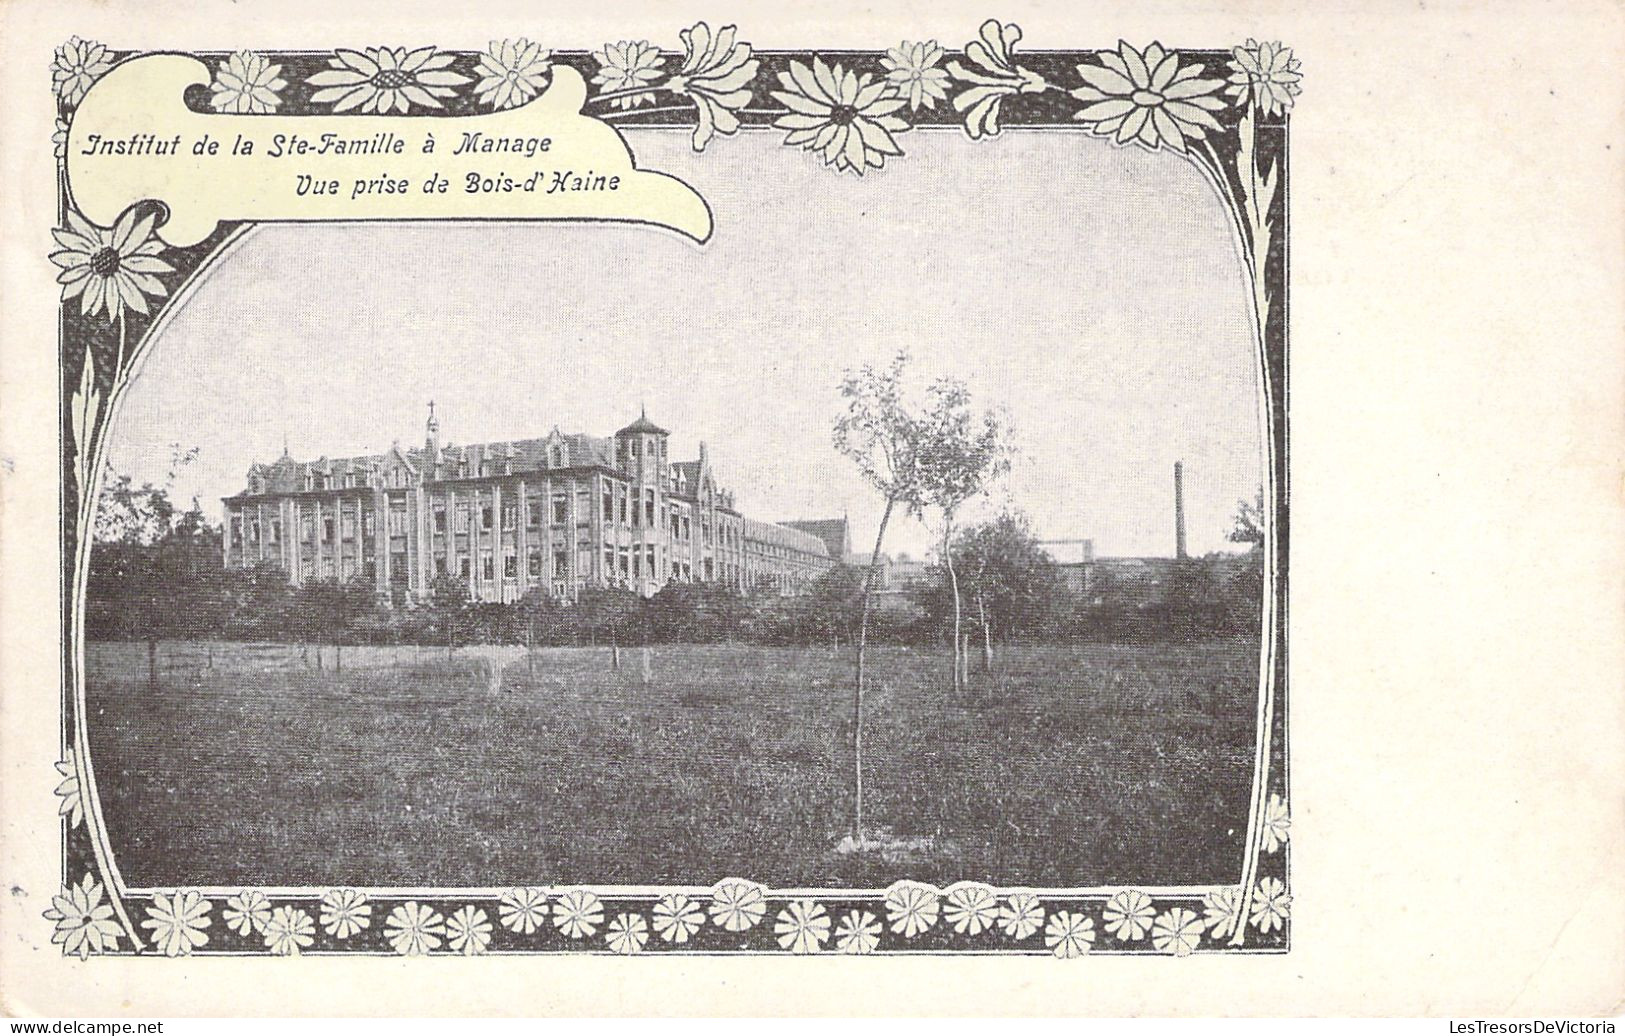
(619,502)
(774,550)
(630,449)
(620,506)
(462,514)
(315,480)
(247,528)
(345,523)
(623,566)
(510,564)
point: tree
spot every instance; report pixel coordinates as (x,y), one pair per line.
(449,608)
(1192,602)
(1248,524)
(320,613)
(355,603)
(879,435)
(959,453)
(834,605)
(1244,587)
(616,614)
(131,514)
(190,559)
(1008,578)
(154,568)
(694,612)
(540,616)
(255,602)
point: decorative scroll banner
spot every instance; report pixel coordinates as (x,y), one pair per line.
(133,139)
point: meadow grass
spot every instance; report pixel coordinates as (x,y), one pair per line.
(1068,765)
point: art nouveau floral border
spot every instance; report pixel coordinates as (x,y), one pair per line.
(736,915)
(851,111)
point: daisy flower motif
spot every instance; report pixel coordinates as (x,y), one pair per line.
(1069,935)
(1277,823)
(628,933)
(77,64)
(59,139)
(345,912)
(84,921)
(468,931)
(1128,915)
(112,270)
(802,926)
(511,73)
(1177,931)
(737,905)
(1272,905)
(1222,911)
(1147,98)
(911,908)
(523,910)
(289,931)
(386,79)
(247,82)
(971,909)
(627,65)
(1266,75)
(677,918)
(177,922)
(578,913)
(414,929)
(858,932)
(1021,915)
(246,912)
(993,75)
(911,69)
(846,118)
(72,805)
(716,75)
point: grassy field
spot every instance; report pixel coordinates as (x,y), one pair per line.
(1069,765)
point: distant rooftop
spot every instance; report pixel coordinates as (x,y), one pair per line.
(834,532)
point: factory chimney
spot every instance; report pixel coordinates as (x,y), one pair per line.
(1179,510)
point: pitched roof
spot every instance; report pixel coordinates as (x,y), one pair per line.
(287,474)
(689,470)
(643,424)
(529,454)
(780,535)
(834,532)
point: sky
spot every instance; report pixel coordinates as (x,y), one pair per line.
(1093,292)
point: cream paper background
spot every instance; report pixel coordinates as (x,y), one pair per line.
(1458,524)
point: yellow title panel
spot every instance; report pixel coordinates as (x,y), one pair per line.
(133,139)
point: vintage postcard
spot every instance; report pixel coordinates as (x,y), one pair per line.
(672,492)
(627,519)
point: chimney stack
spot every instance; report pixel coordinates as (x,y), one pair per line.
(1179,510)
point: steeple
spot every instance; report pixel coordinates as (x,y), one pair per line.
(431,445)
(640,447)
(642,426)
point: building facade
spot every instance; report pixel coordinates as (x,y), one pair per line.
(557,514)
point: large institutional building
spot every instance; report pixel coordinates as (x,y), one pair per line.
(557,514)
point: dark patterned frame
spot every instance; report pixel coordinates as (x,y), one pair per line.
(986,87)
